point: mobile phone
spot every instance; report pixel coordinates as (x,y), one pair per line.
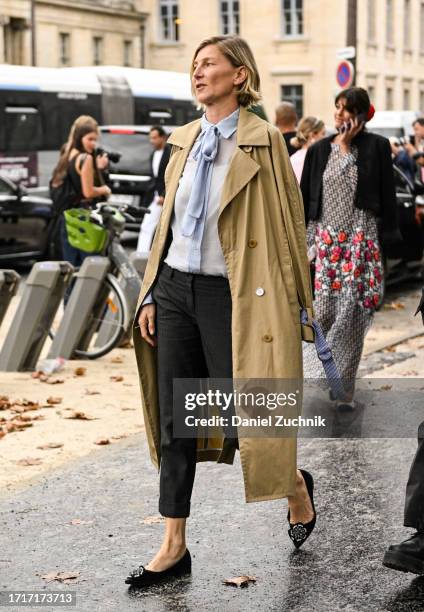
(362,117)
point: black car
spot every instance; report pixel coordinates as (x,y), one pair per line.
(25,221)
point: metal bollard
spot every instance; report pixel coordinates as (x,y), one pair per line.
(73,331)
(129,280)
(41,297)
(9,283)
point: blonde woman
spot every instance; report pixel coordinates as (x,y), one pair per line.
(309,130)
(222,293)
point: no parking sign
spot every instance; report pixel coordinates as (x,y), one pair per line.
(344,74)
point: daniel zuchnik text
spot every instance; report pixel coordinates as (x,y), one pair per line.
(273,420)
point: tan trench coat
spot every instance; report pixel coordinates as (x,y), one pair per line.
(262,233)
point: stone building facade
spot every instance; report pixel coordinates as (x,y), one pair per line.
(77,33)
(295,42)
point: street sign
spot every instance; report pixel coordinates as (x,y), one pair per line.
(344,74)
(346,53)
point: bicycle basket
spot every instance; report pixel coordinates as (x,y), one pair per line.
(82,233)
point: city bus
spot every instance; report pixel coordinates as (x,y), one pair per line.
(39,105)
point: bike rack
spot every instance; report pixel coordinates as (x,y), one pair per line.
(83,306)
(41,297)
(129,280)
(9,283)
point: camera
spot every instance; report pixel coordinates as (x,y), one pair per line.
(114,156)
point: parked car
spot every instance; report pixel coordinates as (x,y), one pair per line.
(24,225)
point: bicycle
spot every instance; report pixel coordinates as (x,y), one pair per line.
(112,312)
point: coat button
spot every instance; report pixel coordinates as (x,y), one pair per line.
(260,291)
(267,338)
(247,149)
(252,243)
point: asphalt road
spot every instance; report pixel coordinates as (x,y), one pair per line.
(359,500)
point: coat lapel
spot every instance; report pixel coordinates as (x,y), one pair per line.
(251,132)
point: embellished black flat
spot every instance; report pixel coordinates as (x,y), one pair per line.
(300,532)
(142,577)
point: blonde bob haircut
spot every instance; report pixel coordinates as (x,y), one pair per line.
(238,53)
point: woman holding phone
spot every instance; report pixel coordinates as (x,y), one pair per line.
(350,205)
(225,283)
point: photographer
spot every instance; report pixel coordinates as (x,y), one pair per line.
(77,180)
(415,147)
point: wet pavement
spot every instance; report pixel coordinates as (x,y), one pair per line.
(359,498)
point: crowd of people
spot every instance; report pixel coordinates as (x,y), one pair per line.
(301,207)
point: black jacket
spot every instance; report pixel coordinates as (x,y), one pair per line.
(375,189)
(158,182)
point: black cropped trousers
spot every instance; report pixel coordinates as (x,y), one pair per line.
(193,326)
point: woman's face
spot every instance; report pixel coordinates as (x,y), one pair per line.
(341,114)
(89,142)
(214,77)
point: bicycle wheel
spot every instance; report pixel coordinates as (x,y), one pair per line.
(107,323)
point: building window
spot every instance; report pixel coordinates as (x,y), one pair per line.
(169,20)
(293,94)
(230,17)
(292,17)
(371,21)
(128,52)
(64,48)
(422,28)
(407,25)
(389,98)
(406,99)
(421,100)
(97,50)
(389,23)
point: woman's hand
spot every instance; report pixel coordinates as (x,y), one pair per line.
(146,321)
(348,131)
(102,161)
(106,191)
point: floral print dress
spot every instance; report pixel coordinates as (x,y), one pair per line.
(348,268)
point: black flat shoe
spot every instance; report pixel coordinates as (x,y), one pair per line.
(141,577)
(300,532)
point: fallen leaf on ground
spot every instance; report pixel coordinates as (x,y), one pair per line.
(390,349)
(4,402)
(29,461)
(27,417)
(116,378)
(77,414)
(80,371)
(88,392)
(66,577)
(54,400)
(52,381)
(2,434)
(117,360)
(394,306)
(151,520)
(126,408)
(385,387)
(102,441)
(15,426)
(50,445)
(240,581)
(27,404)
